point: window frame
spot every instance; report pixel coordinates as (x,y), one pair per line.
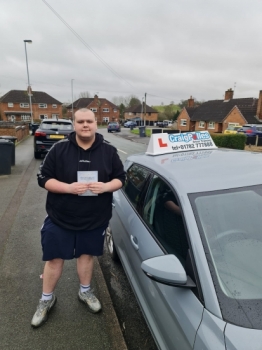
(54,106)
(211,125)
(45,116)
(42,105)
(24,105)
(183,122)
(201,124)
(10,104)
(93,109)
(105,110)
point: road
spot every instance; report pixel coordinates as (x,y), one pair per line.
(133,325)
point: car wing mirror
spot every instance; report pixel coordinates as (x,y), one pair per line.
(167,269)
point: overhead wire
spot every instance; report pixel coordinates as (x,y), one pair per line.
(87,45)
(93,51)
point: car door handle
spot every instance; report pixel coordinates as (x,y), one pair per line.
(134,242)
(113,205)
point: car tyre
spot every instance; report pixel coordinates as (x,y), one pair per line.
(110,244)
(37,155)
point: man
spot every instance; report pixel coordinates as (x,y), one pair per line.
(76,222)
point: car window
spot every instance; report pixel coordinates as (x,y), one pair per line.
(135,179)
(163,215)
(57,126)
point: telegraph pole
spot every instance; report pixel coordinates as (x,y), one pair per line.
(145,110)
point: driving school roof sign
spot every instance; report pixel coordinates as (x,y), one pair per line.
(188,141)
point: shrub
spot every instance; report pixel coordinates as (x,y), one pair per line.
(234,141)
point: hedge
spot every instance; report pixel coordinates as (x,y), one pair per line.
(235,141)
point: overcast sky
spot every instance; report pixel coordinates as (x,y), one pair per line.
(169,49)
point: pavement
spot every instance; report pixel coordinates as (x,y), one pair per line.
(70,325)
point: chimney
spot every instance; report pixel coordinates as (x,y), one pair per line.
(229,94)
(259,105)
(190,102)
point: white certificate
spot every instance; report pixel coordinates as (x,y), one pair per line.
(87,177)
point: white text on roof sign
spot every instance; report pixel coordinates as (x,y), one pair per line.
(170,143)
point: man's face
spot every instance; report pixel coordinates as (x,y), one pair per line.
(85,125)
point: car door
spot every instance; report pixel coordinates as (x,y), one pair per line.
(173,313)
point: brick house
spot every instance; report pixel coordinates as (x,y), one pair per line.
(141,112)
(105,111)
(217,115)
(15,106)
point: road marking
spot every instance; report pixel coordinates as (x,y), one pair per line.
(121,151)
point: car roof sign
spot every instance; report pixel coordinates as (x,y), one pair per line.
(171,143)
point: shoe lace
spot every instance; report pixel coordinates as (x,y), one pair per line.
(89,294)
(41,306)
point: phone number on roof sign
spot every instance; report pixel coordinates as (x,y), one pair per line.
(193,146)
(189,137)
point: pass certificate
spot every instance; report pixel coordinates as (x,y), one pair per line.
(87,177)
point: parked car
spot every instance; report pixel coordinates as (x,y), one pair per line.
(187,230)
(113,126)
(49,132)
(160,124)
(130,123)
(167,123)
(232,129)
(251,130)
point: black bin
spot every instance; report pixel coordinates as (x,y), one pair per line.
(34,127)
(142,131)
(13,140)
(6,149)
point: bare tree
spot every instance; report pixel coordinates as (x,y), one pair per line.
(84,94)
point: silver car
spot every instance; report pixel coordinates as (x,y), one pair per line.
(187,227)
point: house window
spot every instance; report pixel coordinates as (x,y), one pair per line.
(105,119)
(54,106)
(55,116)
(25,117)
(10,104)
(201,124)
(24,105)
(183,122)
(129,113)
(211,125)
(105,109)
(42,105)
(115,110)
(93,109)
(43,116)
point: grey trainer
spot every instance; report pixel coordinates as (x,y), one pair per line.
(42,310)
(90,300)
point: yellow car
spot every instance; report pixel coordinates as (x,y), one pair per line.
(232,129)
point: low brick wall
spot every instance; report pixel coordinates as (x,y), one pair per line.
(20,130)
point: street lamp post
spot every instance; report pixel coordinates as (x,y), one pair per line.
(29,86)
(72,97)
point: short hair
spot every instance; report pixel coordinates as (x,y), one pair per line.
(83,110)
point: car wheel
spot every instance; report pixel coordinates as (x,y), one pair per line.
(110,244)
(37,155)
(108,131)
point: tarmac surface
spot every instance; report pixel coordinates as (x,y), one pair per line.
(70,325)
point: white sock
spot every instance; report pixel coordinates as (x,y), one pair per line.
(47,296)
(84,288)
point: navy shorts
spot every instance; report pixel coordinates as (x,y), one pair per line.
(58,242)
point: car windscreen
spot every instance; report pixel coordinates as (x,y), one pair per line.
(56,126)
(230,225)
